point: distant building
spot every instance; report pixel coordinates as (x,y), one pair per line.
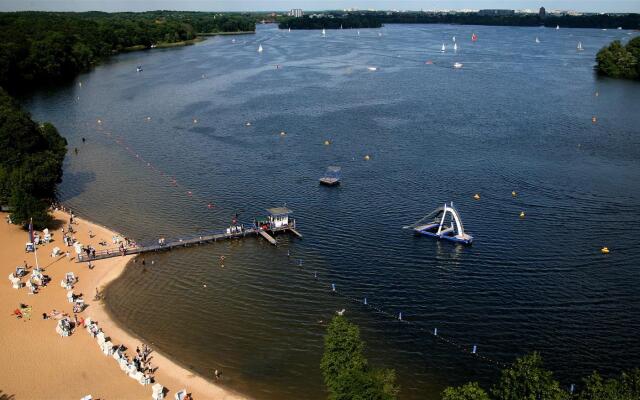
(542,13)
(296,12)
(496,12)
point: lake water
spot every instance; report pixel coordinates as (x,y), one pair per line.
(516,117)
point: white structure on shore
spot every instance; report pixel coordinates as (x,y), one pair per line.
(296,12)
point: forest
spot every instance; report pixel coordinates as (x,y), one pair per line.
(375,19)
(620,61)
(38,48)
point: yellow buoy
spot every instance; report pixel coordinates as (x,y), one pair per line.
(327,142)
(367,157)
(594,119)
(476,196)
(514,194)
(604,250)
(521,214)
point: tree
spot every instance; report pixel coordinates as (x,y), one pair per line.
(625,388)
(526,379)
(345,369)
(469,391)
(618,61)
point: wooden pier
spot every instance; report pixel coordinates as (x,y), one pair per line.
(266,227)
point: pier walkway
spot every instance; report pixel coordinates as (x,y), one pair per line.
(235,232)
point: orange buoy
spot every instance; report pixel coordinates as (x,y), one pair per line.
(594,119)
(521,214)
(604,250)
(514,194)
(476,196)
(327,142)
(367,157)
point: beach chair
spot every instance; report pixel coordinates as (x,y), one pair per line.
(145,380)
(181,394)
(16,283)
(157,392)
(55,252)
(29,247)
(78,305)
(87,397)
(107,348)
(100,338)
(21,271)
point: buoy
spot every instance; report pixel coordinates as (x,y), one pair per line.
(594,119)
(514,194)
(365,301)
(202,76)
(327,142)
(283,133)
(80,84)
(475,349)
(597,94)
(521,214)
(435,331)
(248,123)
(400,316)
(204,285)
(148,118)
(210,206)
(604,250)
(99,121)
(476,196)
(428,62)
(195,121)
(333,287)
(367,157)
(189,193)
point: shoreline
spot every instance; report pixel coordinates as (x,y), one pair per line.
(101,375)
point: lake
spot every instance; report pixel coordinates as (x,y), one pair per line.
(172,155)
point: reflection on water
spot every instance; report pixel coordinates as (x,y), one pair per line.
(517,116)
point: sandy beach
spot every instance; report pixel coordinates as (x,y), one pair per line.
(40,364)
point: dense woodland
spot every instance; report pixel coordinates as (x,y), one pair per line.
(41,47)
(620,61)
(348,375)
(373,19)
(31,157)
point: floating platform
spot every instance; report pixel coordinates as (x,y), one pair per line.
(332,176)
(443,223)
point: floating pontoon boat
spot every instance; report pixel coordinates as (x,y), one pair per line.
(443,223)
(331,177)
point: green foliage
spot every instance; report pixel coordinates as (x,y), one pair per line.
(31,159)
(627,387)
(37,47)
(469,391)
(375,19)
(618,61)
(345,369)
(526,379)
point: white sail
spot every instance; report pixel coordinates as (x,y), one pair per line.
(358,32)
(557,27)
(324,32)
(443,48)
(537,40)
(260,49)
(580,46)
(289,29)
(455,47)
(454,39)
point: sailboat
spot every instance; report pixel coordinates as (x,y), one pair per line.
(324,33)
(260,49)
(580,46)
(340,26)
(457,65)
(443,48)
(455,47)
(557,27)
(474,37)
(537,40)
(289,29)
(139,68)
(358,32)
(454,39)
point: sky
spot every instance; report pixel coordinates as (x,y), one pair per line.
(278,5)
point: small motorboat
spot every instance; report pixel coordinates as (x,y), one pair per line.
(139,68)
(442,223)
(372,68)
(457,65)
(332,176)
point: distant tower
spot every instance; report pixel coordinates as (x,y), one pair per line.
(542,13)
